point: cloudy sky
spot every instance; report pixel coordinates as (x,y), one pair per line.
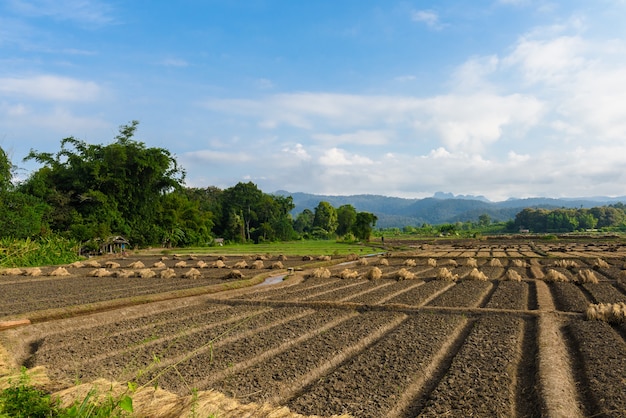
(501,98)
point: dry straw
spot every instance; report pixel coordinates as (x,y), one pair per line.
(586,276)
(566,263)
(282,257)
(192,274)
(241,265)
(93,264)
(374,274)
(234,274)
(159,265)
(112,265)
(320,273)
(519,263)
(124,273)
(136,265)
(555,276)
(383,262)
(145,274)
(513,276)
(11,272)
(471,262)
(445,274)
(181,264)
(349,274)
(167,274)
(219,264)
(362,262)
(475,274)
(100,272)
(404,274)
(432,262)
(600,263)
(323,258)
(410,262)
(257,265)
(201,264)
(494,262)
(60,271)
(613,313)
(277,265)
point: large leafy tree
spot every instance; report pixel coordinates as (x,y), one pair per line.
(363,225)
(325,220)
(102,189)
(346,217)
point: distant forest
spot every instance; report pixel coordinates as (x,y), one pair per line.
(90,192)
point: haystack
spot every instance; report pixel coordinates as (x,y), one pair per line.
(600,264)
(60,271)
(432,262)
(93,264)
(513,276)
(11,272)
(404,274)
(192,274)
(323,258)
(123,274)
(99,272)
(374,274)
(33,272)
(494,262)
(555,276)
(167,274)
(257,265)
(362,262)
(475,274)
(586,276)
(471,262)
(234,274)
(349,274)
(181,264)
(145,274)
(519,263)
(613,313)
(352,257)
(201,264)
(241,265)
(282,257)
(445,274)
(77,264)
(136,265)
(112,265)
(410,262)
(566,263)
(307,258)
(277,265)
(159,265)
(219,264)
(383,262)
(320,273)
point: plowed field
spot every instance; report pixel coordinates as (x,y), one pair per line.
(387,347)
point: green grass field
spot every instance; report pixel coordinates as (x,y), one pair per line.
(313,248)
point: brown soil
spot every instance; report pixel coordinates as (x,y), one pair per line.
(369,348)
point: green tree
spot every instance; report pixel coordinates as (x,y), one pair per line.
(346,217)
(109,188)
(304,222)
(363,225)
(325,219)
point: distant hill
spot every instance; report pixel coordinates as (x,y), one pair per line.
(442,208)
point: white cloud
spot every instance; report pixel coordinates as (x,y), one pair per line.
(87,12)
(174,62)
(339,157)
(360,137)
(429,17)
(50,88)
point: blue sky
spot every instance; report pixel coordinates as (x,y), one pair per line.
(501,98)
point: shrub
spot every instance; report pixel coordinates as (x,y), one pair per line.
(22,400)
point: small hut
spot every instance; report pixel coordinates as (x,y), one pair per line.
(114,244)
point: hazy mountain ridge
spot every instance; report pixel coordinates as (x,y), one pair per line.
(443,208)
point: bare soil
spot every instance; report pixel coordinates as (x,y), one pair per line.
(369,348)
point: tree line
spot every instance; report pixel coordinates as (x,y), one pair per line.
(569,220)
(87,192)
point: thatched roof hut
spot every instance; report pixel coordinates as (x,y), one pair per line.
(114,244)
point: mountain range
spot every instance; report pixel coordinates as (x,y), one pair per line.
(396,212)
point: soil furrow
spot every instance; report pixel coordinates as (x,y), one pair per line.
(421,295)
(467,293)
